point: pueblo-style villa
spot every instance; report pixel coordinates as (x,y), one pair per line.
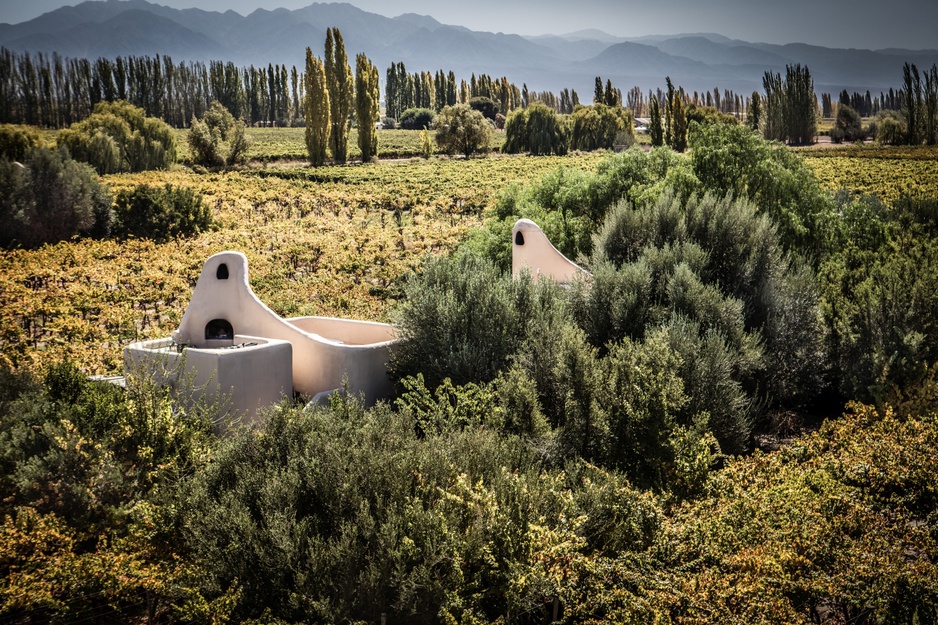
(231,348)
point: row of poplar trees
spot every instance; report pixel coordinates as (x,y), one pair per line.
(330,93)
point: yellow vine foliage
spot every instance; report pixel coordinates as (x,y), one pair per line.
(332,241)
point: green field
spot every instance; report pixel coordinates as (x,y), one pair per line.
(289,144)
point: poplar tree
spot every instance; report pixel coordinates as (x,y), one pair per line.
(790,106)
(669,114)
(678,124)
(316,110)
(367,95)
(654,128)
(755,111)
(912,103)
(339,84)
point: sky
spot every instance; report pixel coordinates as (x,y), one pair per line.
(871,24)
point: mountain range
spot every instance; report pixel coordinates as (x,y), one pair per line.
(698,62)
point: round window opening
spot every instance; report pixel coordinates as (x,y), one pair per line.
(519,238)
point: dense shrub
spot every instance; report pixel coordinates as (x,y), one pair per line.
(537,130)
(839,523)
(160,213)
(345,514)
(462,130)
(217,139)
(118,137)
(16,142)
(890,128)
(880,295)
(734,159)
(742,317)
(486,106)
(570,206)
(83,469)
(49,198)
(848,126)
(417,119)
(461,318)
(707,115)
(600,127)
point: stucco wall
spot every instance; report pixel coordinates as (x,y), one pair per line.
(356,351)
(243,378)
(532,251)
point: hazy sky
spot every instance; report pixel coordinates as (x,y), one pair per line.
(836,23)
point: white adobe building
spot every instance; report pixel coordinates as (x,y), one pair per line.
(231,348)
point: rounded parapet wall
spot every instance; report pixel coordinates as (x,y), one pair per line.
(531,251)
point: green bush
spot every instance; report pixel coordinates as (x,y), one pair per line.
(461,318)
(715,267)
(86,451)
(734,159)
(880,293)
(537,130)
(848,126)
(462,130)
(600,127)
(118,137)
(16,142)
(218,139)
(50,198)
(891,128)
(417,119)
(342,514)
(486,106)
(160,214)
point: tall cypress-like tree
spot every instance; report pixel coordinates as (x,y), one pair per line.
(930,102)
(774,109)
(655,129)
(678,123)
(316,110)
(367,94)
(755,111)
(340,86)
(669,114)
(912,103)
(801,105)
(790,106)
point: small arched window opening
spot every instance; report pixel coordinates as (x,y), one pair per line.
(219,330)
(519,238)
(222,272)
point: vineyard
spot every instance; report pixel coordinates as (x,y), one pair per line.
(601,452)
(333,241)
(328,241)
(289,144)
(888,172)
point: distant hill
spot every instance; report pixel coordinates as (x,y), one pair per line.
(108,28)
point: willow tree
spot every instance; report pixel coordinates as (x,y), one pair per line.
(340,86)
(367,111)
(316,110)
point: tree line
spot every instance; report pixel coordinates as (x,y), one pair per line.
(52,91)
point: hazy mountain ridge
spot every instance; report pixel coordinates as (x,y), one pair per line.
(702,61)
